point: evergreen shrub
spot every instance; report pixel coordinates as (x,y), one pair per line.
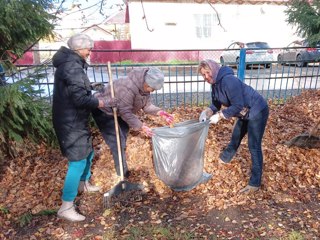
(24,115)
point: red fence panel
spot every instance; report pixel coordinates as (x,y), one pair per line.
(101,56)
(26,59)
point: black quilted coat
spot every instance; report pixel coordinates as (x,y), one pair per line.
(72,104)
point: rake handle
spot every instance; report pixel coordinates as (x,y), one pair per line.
(116,124)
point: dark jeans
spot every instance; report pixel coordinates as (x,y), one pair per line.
(255,129)
(106,126)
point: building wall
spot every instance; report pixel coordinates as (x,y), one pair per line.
(175,25)
(26,59)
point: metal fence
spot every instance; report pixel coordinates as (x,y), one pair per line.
(183,86)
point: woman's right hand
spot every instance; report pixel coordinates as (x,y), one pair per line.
(147,131)
(205,114)
(113,102)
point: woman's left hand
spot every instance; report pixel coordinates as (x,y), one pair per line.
(216,117)
(168,117)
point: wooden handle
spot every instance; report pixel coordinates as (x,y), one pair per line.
(116,124)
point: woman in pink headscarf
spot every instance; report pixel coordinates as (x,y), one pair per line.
(244,103)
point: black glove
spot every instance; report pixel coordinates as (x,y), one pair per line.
(97,86)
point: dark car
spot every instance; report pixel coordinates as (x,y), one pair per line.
(299,53)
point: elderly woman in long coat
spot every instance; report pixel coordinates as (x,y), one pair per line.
(71,108)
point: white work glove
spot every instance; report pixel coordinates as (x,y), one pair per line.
(216,117)
(205,114)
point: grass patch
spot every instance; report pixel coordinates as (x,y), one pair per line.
(26,218)
(158,232)
(170,62)
(295,236)
(4,210)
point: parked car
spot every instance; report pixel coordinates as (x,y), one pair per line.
(256,53)
(299,53)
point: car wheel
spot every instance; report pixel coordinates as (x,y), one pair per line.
(237,62)
(300,62)
(222,61)
(246,66)
(280,60)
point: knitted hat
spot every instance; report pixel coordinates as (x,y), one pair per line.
(154,78)
(80,41)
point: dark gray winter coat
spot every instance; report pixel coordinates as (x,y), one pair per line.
(72,104)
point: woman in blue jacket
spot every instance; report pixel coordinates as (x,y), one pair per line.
(247,105)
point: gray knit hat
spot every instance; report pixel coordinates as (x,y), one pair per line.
(80,41)
(154,78)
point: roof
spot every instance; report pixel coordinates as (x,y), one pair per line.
(252,2)
(119,17)
(96,26)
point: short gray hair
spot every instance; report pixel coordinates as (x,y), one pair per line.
(80,41)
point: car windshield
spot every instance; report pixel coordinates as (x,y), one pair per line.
(257,45)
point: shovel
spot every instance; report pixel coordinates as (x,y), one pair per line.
(123,186)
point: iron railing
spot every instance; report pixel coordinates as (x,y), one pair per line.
(183,85)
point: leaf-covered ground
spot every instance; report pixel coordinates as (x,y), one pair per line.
(287,206)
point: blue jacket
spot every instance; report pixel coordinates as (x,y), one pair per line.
(231,92)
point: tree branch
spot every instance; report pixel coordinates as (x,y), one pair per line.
(145,18)
(219,22)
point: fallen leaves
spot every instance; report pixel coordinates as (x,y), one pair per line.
(33,181)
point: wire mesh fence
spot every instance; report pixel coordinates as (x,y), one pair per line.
(277,80)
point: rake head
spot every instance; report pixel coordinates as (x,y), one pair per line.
(120,189)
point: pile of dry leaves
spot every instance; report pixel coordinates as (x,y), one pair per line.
(33,181)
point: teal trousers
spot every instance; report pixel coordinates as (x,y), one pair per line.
(77,171)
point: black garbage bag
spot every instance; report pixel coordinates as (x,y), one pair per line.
(178,154)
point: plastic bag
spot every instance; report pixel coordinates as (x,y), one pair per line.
(178,154)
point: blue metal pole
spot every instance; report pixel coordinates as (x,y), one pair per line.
(242,64)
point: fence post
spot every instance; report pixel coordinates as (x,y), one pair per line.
(242,64)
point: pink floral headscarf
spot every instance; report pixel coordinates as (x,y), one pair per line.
(212,65)
(215,67)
